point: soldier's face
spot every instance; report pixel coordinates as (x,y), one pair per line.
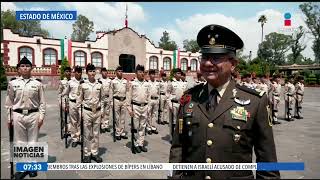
(177,76)
(77,75)
(164,78)
(152,76)
(25,70)
(67,74)
(104,74)
(140,75)
(119,73)
(217,68)
(91,74)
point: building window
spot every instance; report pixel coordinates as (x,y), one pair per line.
(49,57)
(153,62)
(166,64)
(96,59)
(27,52)
(194,65)
(80,58)
(184,64)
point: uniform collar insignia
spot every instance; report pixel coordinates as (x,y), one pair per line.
(240,113)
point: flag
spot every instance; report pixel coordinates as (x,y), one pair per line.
(69,51)
(62,49)
(174,58)
(126,19)
(179,63)
(65,48)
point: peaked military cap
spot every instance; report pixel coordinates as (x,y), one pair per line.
(104,69)
(218,39)
(67,69)
(176,70)
(24,60)
(90,67)
(139,68)
(152,71)
(119,68)
(78,69)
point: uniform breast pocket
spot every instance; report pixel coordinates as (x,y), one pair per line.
(33,92)
(240,133)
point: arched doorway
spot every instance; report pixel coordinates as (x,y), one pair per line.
(128,62)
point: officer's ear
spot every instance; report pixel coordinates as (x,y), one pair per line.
(234,62)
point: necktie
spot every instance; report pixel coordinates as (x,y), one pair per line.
(213,101)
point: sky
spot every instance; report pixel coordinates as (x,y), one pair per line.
(182,20)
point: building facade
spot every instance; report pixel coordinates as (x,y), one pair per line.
(120,47)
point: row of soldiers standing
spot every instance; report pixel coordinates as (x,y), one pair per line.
(146,101)
(293,94)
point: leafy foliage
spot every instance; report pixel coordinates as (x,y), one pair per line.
(81,29)
(167,44)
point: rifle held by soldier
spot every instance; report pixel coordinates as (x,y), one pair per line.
(113,121)
(81,133)
(65,126)
(61,118)
(11,145)
(159,110)
(132,135)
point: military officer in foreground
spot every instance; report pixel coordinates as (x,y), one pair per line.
(220,121)
(25,97)
(91,97)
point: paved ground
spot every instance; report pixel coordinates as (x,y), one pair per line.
(296,141)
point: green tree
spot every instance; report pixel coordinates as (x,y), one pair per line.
(81,29)
(273,49)
(24,28)
(262,20)
(165,42)
(297,47)
(191,45)
(311,10)
(64,64)
(3,77)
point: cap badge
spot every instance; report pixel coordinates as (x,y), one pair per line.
(212,41)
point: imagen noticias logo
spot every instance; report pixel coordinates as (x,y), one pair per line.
(287,19)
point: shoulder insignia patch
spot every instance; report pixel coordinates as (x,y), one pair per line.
(259,93)
(13,78)
(99,81)
(38,79)
(82,81)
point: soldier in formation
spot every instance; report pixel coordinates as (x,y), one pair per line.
(25,99)
(106,81)
(289,92)
(91,100)
(154,103)
(138,102)
(71,91)
(299,97)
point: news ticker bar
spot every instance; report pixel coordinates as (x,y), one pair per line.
(43,166)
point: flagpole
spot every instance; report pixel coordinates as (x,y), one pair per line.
(126,19)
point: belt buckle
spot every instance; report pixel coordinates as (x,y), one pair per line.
(94,109)
(25,111)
